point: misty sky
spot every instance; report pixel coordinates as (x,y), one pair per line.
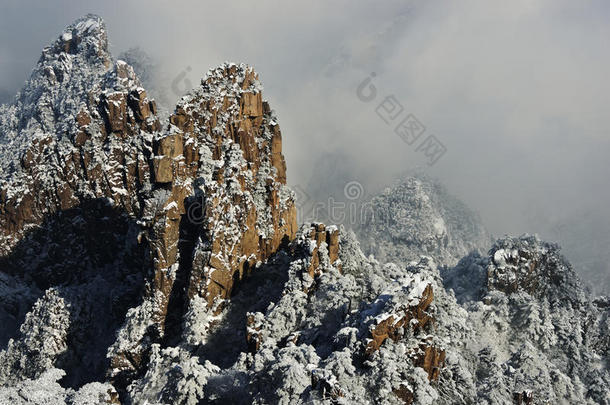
(518,92)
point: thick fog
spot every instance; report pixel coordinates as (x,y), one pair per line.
(516,93)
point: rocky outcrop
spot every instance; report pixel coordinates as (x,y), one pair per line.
(222,150)
(412,316)
(405,317)
(219,205)
(81,129)
(329,236)
(254,324)
(430,358)
(417,216)
(314,251)
(74,175)
(527,264)
(317,243)
(203,196)
(404,393)
(523,398)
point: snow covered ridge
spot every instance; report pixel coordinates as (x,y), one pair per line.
(58,86)
(312,335)
(161,263)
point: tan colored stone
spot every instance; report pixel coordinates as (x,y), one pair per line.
(404,393)
(431,360)
(116,109)
(139,104)
(162,167)
(83,118)
(428,357)
(252,104)
(320,234)
(391,327)
(170,146)
(523,398)
(253,337)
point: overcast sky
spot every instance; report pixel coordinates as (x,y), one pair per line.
(518,92)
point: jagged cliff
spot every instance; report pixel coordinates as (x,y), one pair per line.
(81,129)
(159,261)
(181,209)
(219,206)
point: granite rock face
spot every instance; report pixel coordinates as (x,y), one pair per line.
(533,266)
(195,203)
(223,149)
(219,205)
(76,147)
(81,129)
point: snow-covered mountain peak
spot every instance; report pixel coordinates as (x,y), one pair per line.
(417,216)
(66,78)
(86,36)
